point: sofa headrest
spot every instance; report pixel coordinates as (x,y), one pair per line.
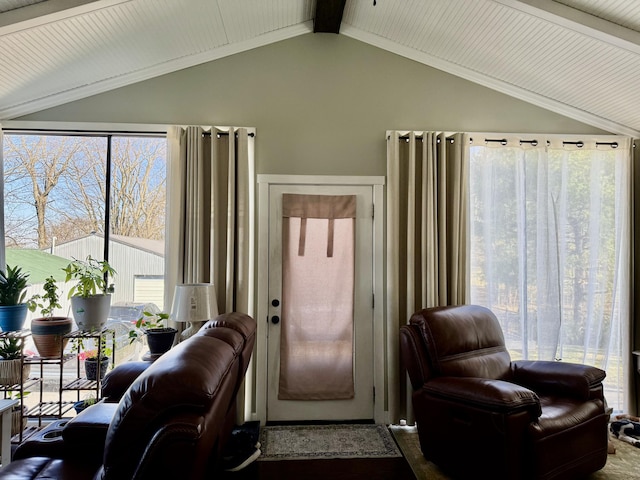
(186,379)
(240,322)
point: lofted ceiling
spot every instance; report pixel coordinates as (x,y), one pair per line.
(580,58)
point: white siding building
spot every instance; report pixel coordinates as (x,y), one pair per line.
(139,264)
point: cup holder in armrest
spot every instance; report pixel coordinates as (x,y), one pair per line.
(52,435)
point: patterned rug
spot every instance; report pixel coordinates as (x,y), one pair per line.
(326,441)
(622,465)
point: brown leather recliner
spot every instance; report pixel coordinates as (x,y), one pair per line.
(480,415)
(171,420)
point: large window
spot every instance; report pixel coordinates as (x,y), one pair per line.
(550,250)
(70,195)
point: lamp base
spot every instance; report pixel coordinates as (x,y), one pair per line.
(191,330)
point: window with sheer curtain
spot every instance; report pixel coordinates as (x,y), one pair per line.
(549,254)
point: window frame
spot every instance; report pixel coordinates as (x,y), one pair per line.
(105,130)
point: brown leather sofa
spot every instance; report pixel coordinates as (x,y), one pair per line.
(480,415)
(171,419)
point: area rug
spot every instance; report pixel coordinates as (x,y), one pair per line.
(622,465)
(326,441)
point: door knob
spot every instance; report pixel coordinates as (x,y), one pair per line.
(275,319)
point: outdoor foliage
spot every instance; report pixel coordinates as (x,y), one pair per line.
(55,188)
(544,249)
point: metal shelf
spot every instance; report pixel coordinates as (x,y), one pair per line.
(28,382)
(36,360)
(81,384)
(49,409)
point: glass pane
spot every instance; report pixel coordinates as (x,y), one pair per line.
(138,193)
(55,197)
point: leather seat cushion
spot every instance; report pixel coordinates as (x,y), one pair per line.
(560,415)
(48,468)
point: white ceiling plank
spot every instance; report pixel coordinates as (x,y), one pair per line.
(503,87)
(567,55)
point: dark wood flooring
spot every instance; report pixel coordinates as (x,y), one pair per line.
(334,469)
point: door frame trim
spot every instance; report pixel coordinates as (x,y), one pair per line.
(262,300)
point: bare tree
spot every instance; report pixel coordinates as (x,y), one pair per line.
(34,165)
(56,186)
(138,182)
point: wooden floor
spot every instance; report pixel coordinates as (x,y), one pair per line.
(338,469)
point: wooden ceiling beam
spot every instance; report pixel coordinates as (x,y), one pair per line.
(328,16)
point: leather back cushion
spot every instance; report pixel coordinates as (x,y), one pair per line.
(464,341)
(184,380)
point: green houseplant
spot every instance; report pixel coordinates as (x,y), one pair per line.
(48,331)
(81,405)
(13,301)
(13,370)
(96,361)
(159,335)
(91,294)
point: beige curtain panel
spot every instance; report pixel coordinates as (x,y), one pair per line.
(209,220)
(316,347)
(209,229)
(634,302)
(427,224)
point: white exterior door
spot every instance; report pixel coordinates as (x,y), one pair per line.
(279,407)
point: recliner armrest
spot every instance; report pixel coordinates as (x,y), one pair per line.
(487,394)
(559,378)
(85,434)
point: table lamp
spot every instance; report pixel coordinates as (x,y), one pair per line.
(194,303)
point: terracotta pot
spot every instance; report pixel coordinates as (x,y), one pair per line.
(48,335)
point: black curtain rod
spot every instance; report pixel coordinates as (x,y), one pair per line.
(224,134)
(406,138)
(82,133)
(579,143)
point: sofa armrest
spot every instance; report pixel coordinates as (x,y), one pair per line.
(118,380)
(559,378)
(85,433)
(486,394)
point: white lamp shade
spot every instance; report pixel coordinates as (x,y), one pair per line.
(194,302)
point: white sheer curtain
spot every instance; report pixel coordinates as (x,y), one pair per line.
(3,264)
(550,248)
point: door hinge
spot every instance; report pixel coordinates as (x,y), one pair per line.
(373,210)
(373,300)
(374,394)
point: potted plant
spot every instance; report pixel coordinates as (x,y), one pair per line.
(13,301)
(49,332)
(91,295)
(13,369)
(94,367)
(18,413)
(159,336)
(84,404)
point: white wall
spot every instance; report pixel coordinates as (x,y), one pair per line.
(321,104)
